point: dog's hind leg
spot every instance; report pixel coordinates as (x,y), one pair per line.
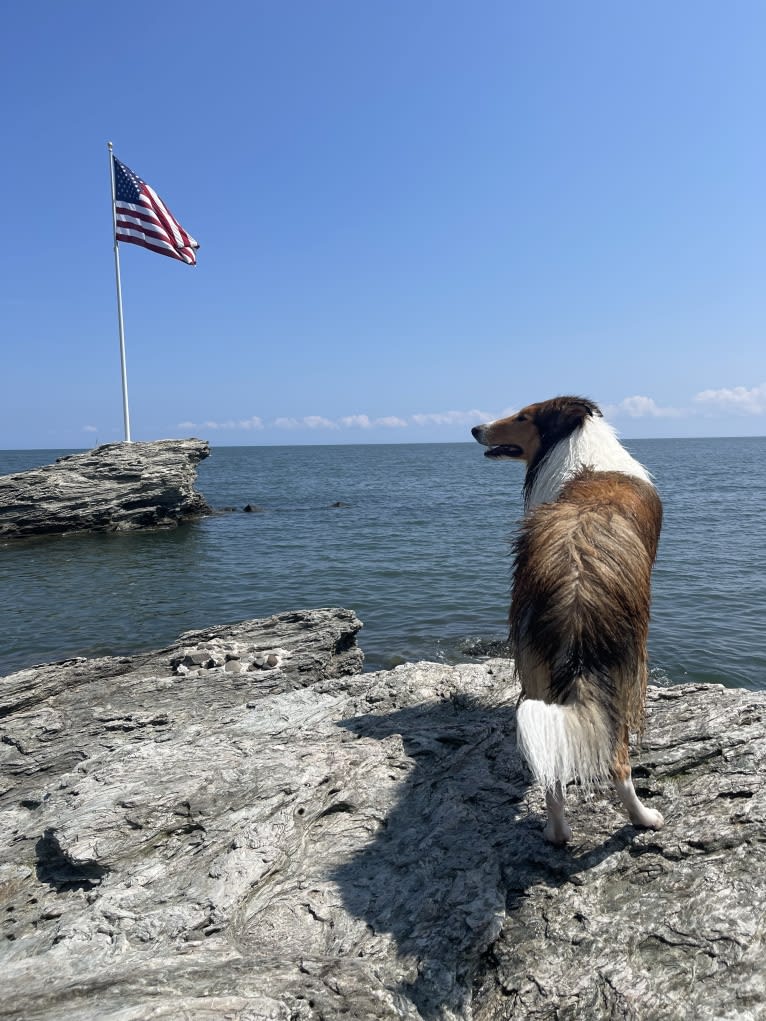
(557,830)
(639,814)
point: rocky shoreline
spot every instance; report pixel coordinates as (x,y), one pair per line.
(244,826)
(114,487)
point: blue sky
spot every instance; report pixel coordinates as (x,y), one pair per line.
(412,215)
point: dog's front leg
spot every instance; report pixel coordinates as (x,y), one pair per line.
(557,830)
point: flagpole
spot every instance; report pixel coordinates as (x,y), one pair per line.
(125,411)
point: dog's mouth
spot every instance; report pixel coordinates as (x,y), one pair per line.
(504,451)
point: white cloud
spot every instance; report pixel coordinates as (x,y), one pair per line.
(246,423)
(365,422)
(317,422)
(639,406)
(746,401)
(89,429)
(391,422)
(307,422)
(356,422)
(452,418)
(243,423)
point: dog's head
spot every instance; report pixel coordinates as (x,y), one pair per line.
(534,430)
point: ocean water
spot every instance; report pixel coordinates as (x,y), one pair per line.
(419,549)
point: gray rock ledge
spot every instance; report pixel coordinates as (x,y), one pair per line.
(289,839)
(114,487)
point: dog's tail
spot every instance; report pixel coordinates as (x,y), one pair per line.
(575,741)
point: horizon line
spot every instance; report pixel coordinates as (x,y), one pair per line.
(371,443)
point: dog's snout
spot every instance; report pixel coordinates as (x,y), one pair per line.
(477,432)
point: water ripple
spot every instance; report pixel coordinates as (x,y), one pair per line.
(419,548)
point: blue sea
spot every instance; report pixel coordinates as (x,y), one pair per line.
(419,548)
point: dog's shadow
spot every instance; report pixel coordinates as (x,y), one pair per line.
(459,849)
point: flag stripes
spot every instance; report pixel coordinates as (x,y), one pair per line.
(142,218)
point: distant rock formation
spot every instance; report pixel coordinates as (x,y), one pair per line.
(244,826)
(115,487)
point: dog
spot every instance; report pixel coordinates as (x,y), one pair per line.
(579,614)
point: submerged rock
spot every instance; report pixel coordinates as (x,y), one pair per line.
(115,487)
(296,840)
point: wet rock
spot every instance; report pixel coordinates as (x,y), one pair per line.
(115,487)
(302,841)
(485,647)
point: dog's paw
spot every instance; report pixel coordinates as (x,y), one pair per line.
(649,818)
(558,832)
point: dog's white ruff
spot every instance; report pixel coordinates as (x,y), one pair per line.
(562,743)
(593,445)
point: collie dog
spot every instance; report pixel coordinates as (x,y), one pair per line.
(579,613)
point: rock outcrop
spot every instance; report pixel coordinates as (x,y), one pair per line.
(243,826)
(115,487)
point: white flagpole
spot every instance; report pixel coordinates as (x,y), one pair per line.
(125,411)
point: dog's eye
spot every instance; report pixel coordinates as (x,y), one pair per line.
(521,418)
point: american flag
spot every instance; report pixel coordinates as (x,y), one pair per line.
(142,218)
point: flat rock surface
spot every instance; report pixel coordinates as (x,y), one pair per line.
(117,486)
(287,838)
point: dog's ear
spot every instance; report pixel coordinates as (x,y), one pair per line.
(583,407)
(558,418)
